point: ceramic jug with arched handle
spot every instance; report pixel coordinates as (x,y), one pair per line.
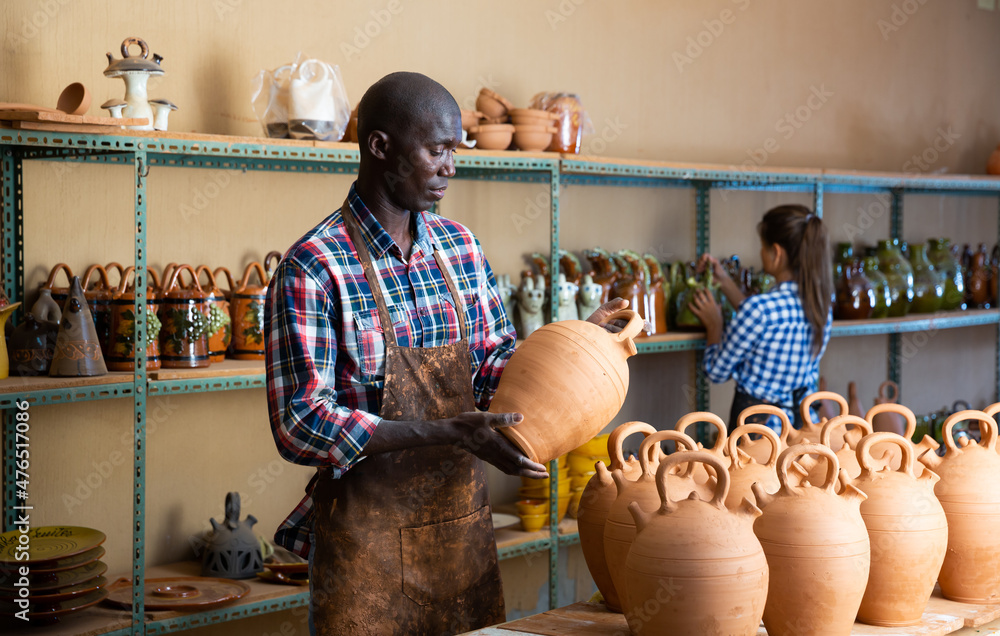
(247,306)
(184,318)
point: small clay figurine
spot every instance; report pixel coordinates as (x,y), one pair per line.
(530,301)
(589,298)
(567,299)
(507,294)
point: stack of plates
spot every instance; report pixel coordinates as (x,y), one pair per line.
(65,573)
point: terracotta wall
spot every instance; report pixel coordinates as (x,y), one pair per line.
(851,84)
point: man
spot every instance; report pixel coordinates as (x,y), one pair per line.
(385,332)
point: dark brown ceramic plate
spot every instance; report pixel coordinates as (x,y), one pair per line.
(61,594)
(59,565)
(42,611)
(289,578)
(40,582)
(179,593)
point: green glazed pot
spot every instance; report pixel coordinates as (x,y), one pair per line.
(940,254)
(928,283)
(880,284)
(899,273)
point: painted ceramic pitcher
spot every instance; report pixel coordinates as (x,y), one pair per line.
(184,315)
(247,306)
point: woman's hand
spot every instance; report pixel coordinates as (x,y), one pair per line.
(719,272)
(709,312)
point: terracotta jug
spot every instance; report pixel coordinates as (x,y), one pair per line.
(745,470)
(77,351)
(619,528)
(595,503)
(184,316)
(220,323)
(59,294)
(98,293)
(810,431)
(889,420)
(701,473)
(247,307)
(853,402)
(902,418)
(817,547)
(568,379)
(908,533)
(855,295)
(695,567)
(969,492)
(6,309)
(121,349)
(760,449)
(846,456)
(977,280)
(826,409)
(31,346)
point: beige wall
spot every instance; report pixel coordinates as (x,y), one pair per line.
(867,84)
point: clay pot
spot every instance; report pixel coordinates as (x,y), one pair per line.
(470,118)
(817,546)
(595,503)
(568,379)
(928,282)
(889,420)
(760,449)
(888,415)
(219,317)
(184,318)
(744,470)
(969,492)
(977,281)
(899,273)
(846,455)
(273,256)
(993,164)
(631,285)
(247,307)
(908,533)
(880,284)
(946,262)
(533,117)
(532,138)
(121,349)
(77,352)
(492,136)
(855,299)
(604,272)
(696,562)
(810,431)
(31,346)
(701,474)
(657,296)
(619,528)
(853,402)
(492,104)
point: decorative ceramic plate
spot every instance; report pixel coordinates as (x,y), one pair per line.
(54,580)
(42,611)
(288,568)
(57,595)
(179,593)
(47,543)
(501,520)
(60,565)
(288,578)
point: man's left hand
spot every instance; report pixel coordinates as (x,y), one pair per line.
(607,309)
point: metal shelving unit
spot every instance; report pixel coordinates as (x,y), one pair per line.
(141,151)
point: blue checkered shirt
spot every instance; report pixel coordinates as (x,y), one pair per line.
(767,349)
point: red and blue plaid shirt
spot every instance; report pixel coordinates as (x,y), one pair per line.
(325,348)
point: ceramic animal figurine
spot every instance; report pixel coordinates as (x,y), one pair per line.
(507,294)
(569,264)
(588,300)
(231,549)
(135,72)
(604,272)
(530,301)
(567,299)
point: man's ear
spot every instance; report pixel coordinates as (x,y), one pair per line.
(378,144)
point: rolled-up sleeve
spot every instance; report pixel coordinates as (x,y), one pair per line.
(309,426)
(498,339)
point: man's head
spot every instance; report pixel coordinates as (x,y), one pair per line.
(408,126)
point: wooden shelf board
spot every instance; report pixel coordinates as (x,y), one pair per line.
(15,385)
(225,368)
(93,621)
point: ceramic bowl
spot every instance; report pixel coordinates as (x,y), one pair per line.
(534,523)
(595,447)
(532,138)
(491,104)
(533,117)
(542,492)
(583,464)
(532,506)
(492,136)
(470,118)
(579,482)
(494,120)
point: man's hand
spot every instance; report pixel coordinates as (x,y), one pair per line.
(607,309)
(477,433)
(709,312)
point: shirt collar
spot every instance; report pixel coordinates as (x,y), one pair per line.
(376,238)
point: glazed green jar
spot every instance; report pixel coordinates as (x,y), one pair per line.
(928,283)
(946,261)
(899,273)
(883,295)
(843,253)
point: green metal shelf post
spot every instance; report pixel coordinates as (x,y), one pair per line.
(140,173)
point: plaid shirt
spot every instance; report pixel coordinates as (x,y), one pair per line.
(325,348)
(767,349)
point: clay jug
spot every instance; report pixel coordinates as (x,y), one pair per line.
(760,449)
(231,548)
(701,473)
(883,294)
(846,456)
(853,402)
(902,421)
(816,546)
(271,261)
(889,420)
(31,346)
(696,563)
(220,323)
(46,309)
(855,299)
(59,294)
(77,351)
(977,280)
(745,470)
(619,528)
(98,293)
(595,503)
(928,282)
(568,379)
(946,262)
(121,349)
(898,272)
(969,492)
(908,533)
(603,271)
(184,316)
(843,253)
(810,431)
(247,307)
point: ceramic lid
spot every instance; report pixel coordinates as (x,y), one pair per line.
(131,64)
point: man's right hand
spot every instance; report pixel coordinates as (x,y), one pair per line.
(478,433)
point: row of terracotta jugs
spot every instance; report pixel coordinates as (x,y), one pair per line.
(688,544)
(197,324)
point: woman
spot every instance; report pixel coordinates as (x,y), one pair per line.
(773,345)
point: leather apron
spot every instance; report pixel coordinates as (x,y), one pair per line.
(743,401)
(403,542)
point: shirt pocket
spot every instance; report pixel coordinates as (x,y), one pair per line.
(369,346)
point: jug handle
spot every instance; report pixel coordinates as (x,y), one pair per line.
(865,454)
(143,47)
(768,409)
(175,277)
(989,442)
(655,439)
(722,477)
(893,407)
(619,435)
(123,281)
(203,269)
(115,265)
(155,278)
(711,418)
(246,275)
(821,395)
(792,453)
(51,280)
(843,420)
(759,429)
(630,330)
(102,273)
(273,255)
(887,386)
(229,277)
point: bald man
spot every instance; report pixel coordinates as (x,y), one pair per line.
(386,332)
